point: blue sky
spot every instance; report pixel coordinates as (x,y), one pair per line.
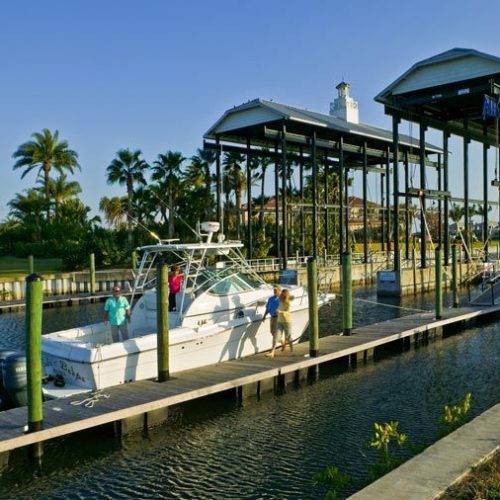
(156,74)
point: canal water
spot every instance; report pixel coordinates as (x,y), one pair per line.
(271,448)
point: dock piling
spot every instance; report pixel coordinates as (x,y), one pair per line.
(454,275)
(347,293)
(162,321)
(92,274)
(312,290)
(439,283)
(31,264)
(34,298)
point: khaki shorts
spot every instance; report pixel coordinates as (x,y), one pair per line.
(286,330)
(274,324)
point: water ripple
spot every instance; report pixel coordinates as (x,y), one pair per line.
(216,449)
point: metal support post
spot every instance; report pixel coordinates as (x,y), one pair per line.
(485,201)
(218,186)
(325,200)
(302,215)
(423,233)
(446,214)
(466,200)
(382,218)
(284,195)
(249,202)
(314,195)
(395,173)
(341,194)
(277,206)
(407,208)
(365,204)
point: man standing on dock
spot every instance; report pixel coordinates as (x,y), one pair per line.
(272,309)
(117,312)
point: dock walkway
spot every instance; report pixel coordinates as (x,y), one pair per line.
(143,398)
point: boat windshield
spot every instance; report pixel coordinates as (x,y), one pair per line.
(224,282)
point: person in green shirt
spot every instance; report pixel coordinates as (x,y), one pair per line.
(117,312)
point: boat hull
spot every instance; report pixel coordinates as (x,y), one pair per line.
(99,366)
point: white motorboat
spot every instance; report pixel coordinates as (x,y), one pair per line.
(219,317)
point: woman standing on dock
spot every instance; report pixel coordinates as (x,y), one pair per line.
(285,320)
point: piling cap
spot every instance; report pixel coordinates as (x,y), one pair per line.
(34,277)
(311,259)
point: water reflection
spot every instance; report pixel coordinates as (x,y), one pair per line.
(267,449)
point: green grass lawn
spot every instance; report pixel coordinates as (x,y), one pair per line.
(14,266)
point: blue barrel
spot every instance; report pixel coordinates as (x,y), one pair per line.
(15,379)
(5,403)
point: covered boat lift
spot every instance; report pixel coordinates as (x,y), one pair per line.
(456,92)
(266,128)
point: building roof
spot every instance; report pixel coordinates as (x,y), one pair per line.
(447,92)
(261,112)
(451,66)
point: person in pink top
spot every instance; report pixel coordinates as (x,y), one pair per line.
(174,286)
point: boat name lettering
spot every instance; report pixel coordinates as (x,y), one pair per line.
(68,369)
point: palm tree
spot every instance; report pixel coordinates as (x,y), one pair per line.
(199,175)
(61,190)
(45,152)
(167,172)
(128,169)
(113,210)
(456,212)
(234,180)
(265,162)
(28,209)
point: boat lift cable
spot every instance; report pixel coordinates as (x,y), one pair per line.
(392,306)
(139,223)
(165,204)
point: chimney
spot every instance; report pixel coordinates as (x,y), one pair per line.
(344,106)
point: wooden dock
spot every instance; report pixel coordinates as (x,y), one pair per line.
(144,403)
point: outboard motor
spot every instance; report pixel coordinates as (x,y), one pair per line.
(5,403)
(15,379)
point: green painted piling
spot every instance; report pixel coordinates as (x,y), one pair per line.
(454,275)
(162,321)
(312,290)
(31,264)
(134,260)
(92,274)
(439,283)
(347,293)
(34,299)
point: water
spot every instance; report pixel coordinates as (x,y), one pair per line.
(272,447)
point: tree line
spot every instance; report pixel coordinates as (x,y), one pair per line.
(165,199)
